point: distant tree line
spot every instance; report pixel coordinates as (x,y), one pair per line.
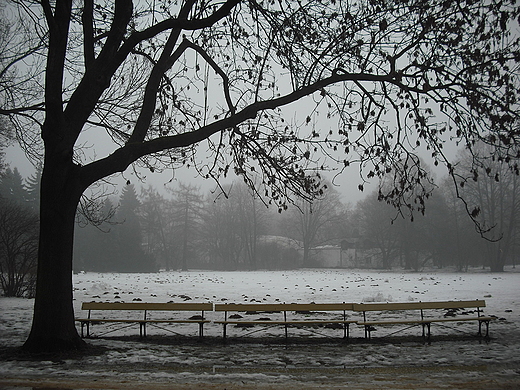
(482,230)
(232,229)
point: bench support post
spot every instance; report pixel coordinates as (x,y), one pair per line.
(142,326)
(88,325)
(346,329)
(224,326)
(201,326)
(428,326)
(486,322)
(367,327)
(285,320)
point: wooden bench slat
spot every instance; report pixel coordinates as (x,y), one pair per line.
(424,321)
(417,305)
(455,319)
(279,307)
(179,306)
(178,321)
(108,320)
(390,322)
(289,322)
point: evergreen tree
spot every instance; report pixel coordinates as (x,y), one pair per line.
(12,187)
(32,185)
(6,138)
(130,254)
(156,227)
(188,207)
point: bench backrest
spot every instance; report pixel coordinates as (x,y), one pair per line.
(283,306)
(417,305)
(188,306)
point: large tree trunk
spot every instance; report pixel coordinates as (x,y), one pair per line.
(53,328)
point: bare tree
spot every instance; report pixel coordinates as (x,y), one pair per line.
(375,221)
(493,190)
(222,231)
(18,249)
(311,220)
(157,223)
(463,242)
(251,213)
(163,79)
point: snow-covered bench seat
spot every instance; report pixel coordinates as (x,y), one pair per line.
(454,311)
(300,315)
(145,317)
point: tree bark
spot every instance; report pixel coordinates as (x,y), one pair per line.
(53,327)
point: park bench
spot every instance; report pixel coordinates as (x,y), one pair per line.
(145,310)
(300,315)
(426,309)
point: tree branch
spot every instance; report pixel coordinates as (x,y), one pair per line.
(132,151)
(217,69)
(58,39)
(88,33)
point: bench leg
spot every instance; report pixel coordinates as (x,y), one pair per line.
(346,330)
(428,326)
(201,330)
(142,329)
(480,328)
(224,331)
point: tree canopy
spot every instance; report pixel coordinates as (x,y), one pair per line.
(393,75)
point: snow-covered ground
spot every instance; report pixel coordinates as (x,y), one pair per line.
(453,359)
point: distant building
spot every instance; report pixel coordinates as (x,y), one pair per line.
(349,253)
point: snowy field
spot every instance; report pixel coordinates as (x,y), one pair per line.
(453,359)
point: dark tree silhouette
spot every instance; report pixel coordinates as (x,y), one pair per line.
(223,231)
(32,186)
(188,206)
(496,193)
(390,76)
(18,249)
(130,255)
(12,187)
(310,221)
(157,220)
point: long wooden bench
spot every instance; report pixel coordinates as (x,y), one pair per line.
(146,309)
(426,309)
(300,315)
